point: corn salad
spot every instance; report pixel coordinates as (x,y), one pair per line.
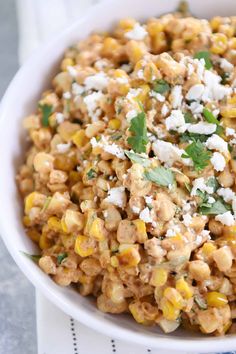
(129,180)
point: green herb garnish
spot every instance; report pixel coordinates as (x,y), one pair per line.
(46,110)
(210,118)
(139,139)
(186,137)
(189,118)
(33,257)
(161,86)
(219,207)
(207,58)
(200,302)
(116,136)
(212,182)
(161,176)
(61,257)
(91,174)
(199,155)
(135,158)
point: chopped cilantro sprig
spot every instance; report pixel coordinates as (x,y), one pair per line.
(161,86)
(46,111)
(197,152)
(161,176)
(207,58)
(139,139)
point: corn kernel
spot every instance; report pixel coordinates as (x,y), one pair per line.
(97,229)
(208,248)
(65,63)
(228,112)
(215,23)
(232,43)
(174,297)
(26,221)
(129,257)
(184,289)
(114,124)
(135,51)
(155,27)
(79,138)
(159,277)
(216,299)
(63,226)
(29,201)
(110,46)
(141,230)
(169,311)
(227,326)
(219,43)
(142,96)
(54,224)
(44,242)
(74,177)
(137,313)
(114,262)
(83,246)
(159,43)
(151,72)
(34,235)
(127,23)
(230,231)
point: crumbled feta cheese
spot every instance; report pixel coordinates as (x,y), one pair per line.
(215,142)
(176,121)
(234,206)
(101,64)
(211,200)
(67,95)
(200,67)
(160,132)
(196,108)
(98,81)
(72,71)
(225,219)
(218,161)
(112,149)
(126,67)
(138,33)
(145,215)
(214,91)
(135,209)
(226,193)
(140,74)
(77,89)
(92,102)
(186,207)
(116,196)
(131,114)
(60,118)
(157,96)
(195,92)
(199,184)
(187,219)
(230,131)
(190,69)
(169,153)
(63,148)
(173,231)
(122,80)
(226,65)
(164,110)
(202,128)
(133,93)
(176,96)
(148,199)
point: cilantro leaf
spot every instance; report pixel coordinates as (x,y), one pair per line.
(219,207)
(189,118)
(135,158)
(61,257)
(212,182)
(33,257)
(186,137)
(161,86)
(160,175)
(199,155)
(210,118)
(207,58)
(91,174)
(46,110)
(139,140)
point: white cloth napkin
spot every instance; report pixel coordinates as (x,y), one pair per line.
(57,332)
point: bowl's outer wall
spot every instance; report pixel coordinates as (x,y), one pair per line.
(19,101)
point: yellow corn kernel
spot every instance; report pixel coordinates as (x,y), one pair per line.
(232,43)
(216,299)
(65,63)
(34,235)
(169,311)
(129,257)
(44,242)
(110,46)
(83,246)
(159,43)
(135,51)
(79,138)
(184,289)
(155,27)
(142,96)
(29,201)
(127,23)
(228,112)
(159,277)
(137,313)
(232,100)
(84,279)
(208,248)
(174,297)
(74,177)
(114,262)
(54,224)
(219,43)
(151,72)
(26,221)
(228,30)
(140,230)
(230,231)
(215,23)
(227,326)
(90,216)
(63,226)
(97,229)
(114,124)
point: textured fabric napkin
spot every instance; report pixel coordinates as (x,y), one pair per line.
(57,332)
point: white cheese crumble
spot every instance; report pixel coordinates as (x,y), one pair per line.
(98,81)
(230,131)
(133,93)
(202,128)
(225,219)
(169,153)
(92,102)
(226,193)
(211,200)
(215,142)
(67,95)
(112,149)
(195,92)
(176,96)
(157,96)
(131,114)
(72,71)
(218,161)
(135,209)
(214,91)
(176,121)
(196,108)
(234,206)
(187,220)
(138,33)
(116,196)
(60,118)
(164,110)
(200,67)
(148,199)
(226,65)
(140,74)
(77,89)
(199,184)
(145,215)
(63,148)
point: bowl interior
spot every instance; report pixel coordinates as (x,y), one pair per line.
(20,100)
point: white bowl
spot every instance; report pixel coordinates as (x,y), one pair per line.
(20,100)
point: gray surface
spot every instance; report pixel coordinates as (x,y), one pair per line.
(17,298)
